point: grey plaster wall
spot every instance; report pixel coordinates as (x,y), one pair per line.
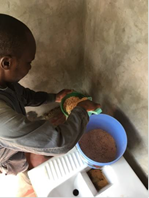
(115,66)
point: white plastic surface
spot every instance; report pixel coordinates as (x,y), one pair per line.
(58,174)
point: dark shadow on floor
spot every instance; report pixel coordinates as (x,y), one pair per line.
(136,168)
(134,140)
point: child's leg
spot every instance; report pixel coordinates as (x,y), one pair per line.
(35,160)
(25,188)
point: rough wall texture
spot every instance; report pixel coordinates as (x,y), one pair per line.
(57,26)
(116,66)
(112,67)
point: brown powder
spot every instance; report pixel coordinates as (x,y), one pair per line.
(71,103)
(98,145)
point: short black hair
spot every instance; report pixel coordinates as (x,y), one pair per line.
(12,36)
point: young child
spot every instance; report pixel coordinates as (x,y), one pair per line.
(18,135)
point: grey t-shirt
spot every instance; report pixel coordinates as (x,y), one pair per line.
(19,135)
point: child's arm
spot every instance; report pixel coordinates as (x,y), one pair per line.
(40,137)
(32,98)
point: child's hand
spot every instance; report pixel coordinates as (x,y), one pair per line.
(62,94)
(89,105)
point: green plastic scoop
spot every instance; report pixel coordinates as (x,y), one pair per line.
(79,95)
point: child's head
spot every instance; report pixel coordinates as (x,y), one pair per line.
(17,49)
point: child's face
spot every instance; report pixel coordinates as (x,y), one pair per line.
(23,65)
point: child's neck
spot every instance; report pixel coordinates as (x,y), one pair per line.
(3,85)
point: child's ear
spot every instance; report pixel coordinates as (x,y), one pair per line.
(5,62)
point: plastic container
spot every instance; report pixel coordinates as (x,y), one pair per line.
(114,128)
(76,94)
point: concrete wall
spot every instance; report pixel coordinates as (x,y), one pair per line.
(115,66)
(57,26)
